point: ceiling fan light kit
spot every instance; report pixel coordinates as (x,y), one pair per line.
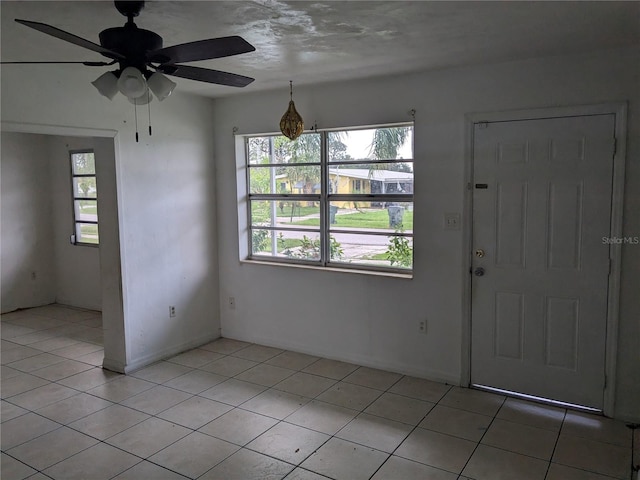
(160,85)
(143,99)
(291,123)
(131,83)
(107,85)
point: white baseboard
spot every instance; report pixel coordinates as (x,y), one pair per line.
(113,365)
(365,361)
(167,353)
(85,306)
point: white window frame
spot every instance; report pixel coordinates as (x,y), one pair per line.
(324,198)
(74,198)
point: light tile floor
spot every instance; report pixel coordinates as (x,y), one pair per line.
(232,410)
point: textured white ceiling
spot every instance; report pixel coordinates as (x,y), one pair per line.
(321,41)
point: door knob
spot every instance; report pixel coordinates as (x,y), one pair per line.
(479,253)
(478,272)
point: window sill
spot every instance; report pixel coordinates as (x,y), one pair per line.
(80,244)
(375,273)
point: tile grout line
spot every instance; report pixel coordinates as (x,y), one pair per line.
(411,431)
(555,445)
(283,420)
(481,437)
(273,388)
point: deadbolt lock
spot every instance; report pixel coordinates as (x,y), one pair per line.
(479,253)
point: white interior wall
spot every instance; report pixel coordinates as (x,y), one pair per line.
(165,249)
(26,258)
(37,189)
(373,320)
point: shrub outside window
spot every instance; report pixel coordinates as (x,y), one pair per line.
(85,198)
(336,198)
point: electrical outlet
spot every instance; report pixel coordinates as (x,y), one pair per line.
(422,326)
(452,221)
(232,303)
(172,310)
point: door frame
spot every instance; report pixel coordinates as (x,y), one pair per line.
(111,255)
(619,110)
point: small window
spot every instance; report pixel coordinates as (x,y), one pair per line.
(333,198)
(85,198)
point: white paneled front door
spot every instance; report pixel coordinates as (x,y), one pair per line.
(541,207)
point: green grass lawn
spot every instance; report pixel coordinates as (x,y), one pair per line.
(283,244)
(262,213)
(89,209)
(298,211)
(365,219)
(88,234)
(377,256)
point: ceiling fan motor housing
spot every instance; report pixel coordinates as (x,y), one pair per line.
(133,43)
(129,8)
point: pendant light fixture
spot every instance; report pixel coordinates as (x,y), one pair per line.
(291,123)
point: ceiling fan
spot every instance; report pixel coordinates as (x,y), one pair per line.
(142,60)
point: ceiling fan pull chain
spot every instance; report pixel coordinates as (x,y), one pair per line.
(149,109)
(135,112)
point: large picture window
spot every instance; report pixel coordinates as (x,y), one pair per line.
(341,198)
(85,198)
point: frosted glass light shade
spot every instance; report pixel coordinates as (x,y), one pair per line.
(131,83)
(160,85)
(143,99)
(107,85)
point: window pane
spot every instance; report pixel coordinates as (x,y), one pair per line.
(286,244)
(303,179)
(259,149)
(361,249)
(85,187)
(378,178)
(373,216)
(305,149)
(287,213)
(83,163)
(86,210)
(86,233)
(372,164)
(388,143)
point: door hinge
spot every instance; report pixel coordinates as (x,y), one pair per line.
(615,146)
(468,185)
(605,380)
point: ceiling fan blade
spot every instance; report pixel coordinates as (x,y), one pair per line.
(71,38)
(201,50)
(88,64)
(206,75)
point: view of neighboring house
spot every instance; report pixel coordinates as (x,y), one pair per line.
(363,180)
(353,180)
